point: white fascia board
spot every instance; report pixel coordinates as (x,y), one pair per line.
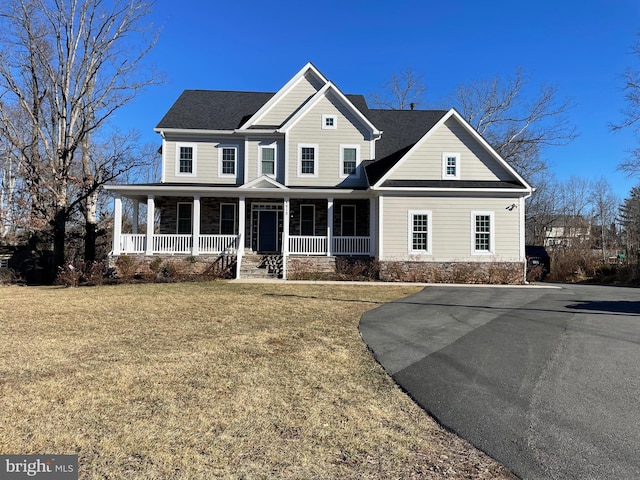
(282,92)
(519,192)
(453,113)
(320,94)
(192,131)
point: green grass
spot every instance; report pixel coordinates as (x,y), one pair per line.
(213,380)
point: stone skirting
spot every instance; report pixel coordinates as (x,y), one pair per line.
(504,273)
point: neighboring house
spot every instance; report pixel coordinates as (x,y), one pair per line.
(567,231)
(312,172)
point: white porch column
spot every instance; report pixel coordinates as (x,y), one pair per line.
(372,227)
(117,224)
(195,245)
(241,224)
(151,214)
(329,226)
(285,235)
(136,213)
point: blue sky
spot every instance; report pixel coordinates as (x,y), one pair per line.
(580,47)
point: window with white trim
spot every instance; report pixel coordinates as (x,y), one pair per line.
(308,160)
(419,231)
(268,160)
(307,220)
(349,159)
(184,222)
(329,122)
(482,233)
(227,218)
(185,159)
(451,166)
(348,220)
(227,160)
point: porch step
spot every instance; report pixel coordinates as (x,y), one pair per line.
(261,266)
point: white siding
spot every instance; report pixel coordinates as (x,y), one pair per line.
(451,227)
(206,161)
(308,130)
(426,162)
(289,103)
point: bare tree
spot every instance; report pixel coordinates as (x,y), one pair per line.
(71,65)
(400,92)
(604,205)
(631,77)
(517,125)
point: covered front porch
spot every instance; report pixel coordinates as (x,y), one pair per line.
(225,225)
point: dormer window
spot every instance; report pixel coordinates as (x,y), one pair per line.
(329,122)
(450,166)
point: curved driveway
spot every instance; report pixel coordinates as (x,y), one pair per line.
(545,380)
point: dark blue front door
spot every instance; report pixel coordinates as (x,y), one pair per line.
(267,231)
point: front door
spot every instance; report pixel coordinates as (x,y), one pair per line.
(267,231)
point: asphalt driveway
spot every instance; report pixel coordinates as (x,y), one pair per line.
(545,380)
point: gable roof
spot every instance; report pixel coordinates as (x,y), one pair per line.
(392,162)
(402,129)
(221,109)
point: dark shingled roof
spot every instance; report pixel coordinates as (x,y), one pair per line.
(222,110)
(401,129)
(213,109)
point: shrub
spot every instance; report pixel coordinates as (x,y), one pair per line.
(126,266)
(70,274)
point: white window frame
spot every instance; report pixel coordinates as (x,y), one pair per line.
(356,172)
(445,158)
(315,159)
(221,149)
(410,215)
(235,221)
(273,146)
(492,233)
(334,123)
(194,162)
(178,218)
(314,218)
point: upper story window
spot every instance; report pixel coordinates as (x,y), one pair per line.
(185,159)
(349,159)
(227,160)
(308,160)
(482,233)
(450,166)
(267,160)
(329,122)
(419,231)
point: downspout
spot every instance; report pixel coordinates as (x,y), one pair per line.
(523,236)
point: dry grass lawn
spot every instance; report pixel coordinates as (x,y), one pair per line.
(213,380)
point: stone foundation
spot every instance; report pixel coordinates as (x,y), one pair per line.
(172,266)
(496,273)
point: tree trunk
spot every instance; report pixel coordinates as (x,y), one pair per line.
(59,236)
(90,228)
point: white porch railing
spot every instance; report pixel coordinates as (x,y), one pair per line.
(218,243)
(172,243)
(310,245)
(133,243)
(351,245)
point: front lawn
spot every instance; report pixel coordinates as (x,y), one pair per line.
(213,380)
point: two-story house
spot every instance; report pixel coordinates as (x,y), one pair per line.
(311,172)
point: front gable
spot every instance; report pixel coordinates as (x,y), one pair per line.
(289,99)
(263,182)
(452,152)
